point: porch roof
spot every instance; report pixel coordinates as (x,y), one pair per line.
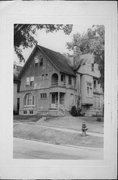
(59,89)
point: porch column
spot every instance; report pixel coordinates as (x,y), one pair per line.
(58,99)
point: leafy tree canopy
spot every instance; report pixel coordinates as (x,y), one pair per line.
(24,35)
(92,41)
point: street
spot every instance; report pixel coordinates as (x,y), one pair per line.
(27,149)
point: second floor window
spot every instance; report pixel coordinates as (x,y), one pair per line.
(30,81)
(95,84)
(62,77)
(70,80)
(89,89)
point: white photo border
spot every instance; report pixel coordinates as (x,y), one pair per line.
(103,13)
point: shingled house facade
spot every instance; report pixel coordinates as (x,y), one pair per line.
(49,85)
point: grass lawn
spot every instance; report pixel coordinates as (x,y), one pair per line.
(35,132)
(26,118)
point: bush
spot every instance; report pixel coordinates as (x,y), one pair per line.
(74,111)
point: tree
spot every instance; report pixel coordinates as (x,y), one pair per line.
(92,41)
(25,34)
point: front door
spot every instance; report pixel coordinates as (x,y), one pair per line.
(54,103)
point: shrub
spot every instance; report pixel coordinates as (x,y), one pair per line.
(74,111)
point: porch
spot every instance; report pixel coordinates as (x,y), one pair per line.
(57,103)
(57,100)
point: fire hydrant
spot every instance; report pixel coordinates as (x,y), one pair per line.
(84,129)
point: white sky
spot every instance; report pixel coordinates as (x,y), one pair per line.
(57,40)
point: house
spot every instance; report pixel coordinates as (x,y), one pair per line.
(49,85)
(16,85)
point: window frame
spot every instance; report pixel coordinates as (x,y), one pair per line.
(29,100)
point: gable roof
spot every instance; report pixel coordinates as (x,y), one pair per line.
(59,61)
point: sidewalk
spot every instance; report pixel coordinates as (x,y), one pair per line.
(73,131)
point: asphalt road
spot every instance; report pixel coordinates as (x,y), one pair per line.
(27,149)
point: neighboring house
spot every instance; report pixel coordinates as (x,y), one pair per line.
(88,86)
(16,85)
(49,85)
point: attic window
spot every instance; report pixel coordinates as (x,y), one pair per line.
(41,62)
(92,66)
(27,81)
(32,81)
(36,60)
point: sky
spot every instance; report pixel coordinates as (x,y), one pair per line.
(57,40)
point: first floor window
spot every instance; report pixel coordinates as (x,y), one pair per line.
(43,95)
(24,112)
(31,111)
(29,99)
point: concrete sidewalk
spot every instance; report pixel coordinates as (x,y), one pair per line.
(72,131)
(75,123)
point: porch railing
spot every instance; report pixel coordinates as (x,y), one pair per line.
(54,83)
